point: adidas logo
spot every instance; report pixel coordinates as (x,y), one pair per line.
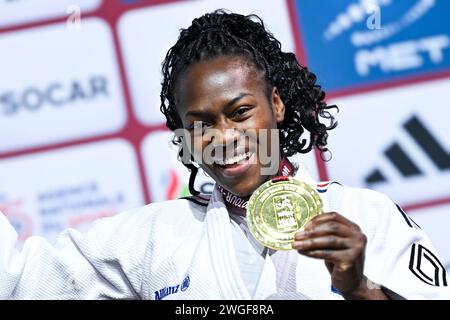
(402,161)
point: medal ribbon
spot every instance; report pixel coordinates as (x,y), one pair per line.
(231,200)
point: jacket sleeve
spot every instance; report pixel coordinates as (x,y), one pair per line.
(399,254)
(103,263)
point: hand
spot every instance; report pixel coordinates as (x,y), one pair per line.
(341,244)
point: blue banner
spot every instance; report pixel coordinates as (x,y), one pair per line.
(352,43)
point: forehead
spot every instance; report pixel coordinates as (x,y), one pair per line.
(217,79)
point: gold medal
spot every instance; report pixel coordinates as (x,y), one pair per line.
(277,210)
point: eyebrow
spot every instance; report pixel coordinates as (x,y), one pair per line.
(227,105)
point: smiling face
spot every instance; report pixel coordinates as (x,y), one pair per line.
(228,94)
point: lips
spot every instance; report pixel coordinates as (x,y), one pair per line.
(236,165)
(234,159)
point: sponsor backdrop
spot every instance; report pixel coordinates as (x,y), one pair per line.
(81,136)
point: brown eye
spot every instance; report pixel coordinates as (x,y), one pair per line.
(241,111)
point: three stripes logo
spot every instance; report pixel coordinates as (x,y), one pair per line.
(426,266)
(403,162)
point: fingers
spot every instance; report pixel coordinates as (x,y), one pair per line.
(322,240)
(338,257)
(342,259)
(328,217)
(330,223)
(316,243)
(323,229)
(332,237)
(330,248)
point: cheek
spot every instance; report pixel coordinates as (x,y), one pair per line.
(268,118)
(265,122)
(268,136)
(261,120)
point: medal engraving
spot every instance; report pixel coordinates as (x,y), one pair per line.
(276,210)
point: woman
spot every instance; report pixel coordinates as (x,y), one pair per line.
(227,75)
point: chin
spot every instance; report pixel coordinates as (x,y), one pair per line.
(241,185)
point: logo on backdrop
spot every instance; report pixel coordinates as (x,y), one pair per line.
(377,40)
(166,176)
(176,188)
(399,157)
(76,206)
(55,94)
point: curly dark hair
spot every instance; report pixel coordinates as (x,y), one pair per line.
(222,33)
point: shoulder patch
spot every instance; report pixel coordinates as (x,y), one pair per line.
(427,267)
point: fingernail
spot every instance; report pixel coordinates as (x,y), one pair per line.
(298,245)
(300,235)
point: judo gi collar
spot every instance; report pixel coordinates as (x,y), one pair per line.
(239,204)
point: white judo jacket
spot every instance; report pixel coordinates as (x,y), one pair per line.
(183,249)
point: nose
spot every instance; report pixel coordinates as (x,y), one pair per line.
(224,137)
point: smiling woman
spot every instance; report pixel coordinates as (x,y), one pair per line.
(227,94)
(227,72)
(260,234)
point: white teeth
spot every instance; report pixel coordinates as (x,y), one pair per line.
(234,159)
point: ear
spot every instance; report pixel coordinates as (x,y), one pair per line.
(277,105)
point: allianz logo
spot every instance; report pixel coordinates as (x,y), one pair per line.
(55,94)
(164,292)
